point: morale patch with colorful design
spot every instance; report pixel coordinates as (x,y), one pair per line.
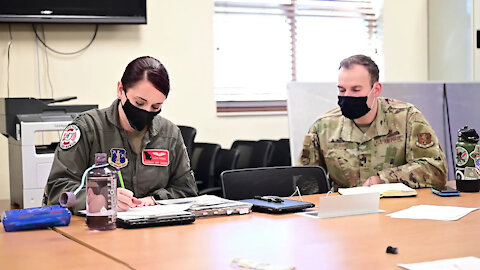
(118,158)
(155,157)
(461,156)
(424,140)
(477,167)
(70,136)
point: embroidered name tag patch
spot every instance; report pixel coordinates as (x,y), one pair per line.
(155,157)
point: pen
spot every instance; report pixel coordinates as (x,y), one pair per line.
(120,178)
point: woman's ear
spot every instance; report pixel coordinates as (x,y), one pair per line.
(119,90)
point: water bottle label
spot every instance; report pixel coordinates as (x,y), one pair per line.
(101,196)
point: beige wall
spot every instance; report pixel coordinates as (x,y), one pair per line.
(179,32)
(405,32)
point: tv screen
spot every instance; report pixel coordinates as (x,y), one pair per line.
(74,11)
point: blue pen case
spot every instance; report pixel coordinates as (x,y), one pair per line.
(35,218)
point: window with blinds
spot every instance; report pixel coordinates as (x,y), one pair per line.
(260,46)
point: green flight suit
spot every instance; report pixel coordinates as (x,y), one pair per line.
(399,146)
(100,132)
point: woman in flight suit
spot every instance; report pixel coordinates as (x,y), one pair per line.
(147,148)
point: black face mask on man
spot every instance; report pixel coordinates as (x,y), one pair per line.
(354,107)
(137,118)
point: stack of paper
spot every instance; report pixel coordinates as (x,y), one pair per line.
(385,190)
(153,211)
(454,264)
(210,205)
(434,212)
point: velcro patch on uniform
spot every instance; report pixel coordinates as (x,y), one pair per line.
(118,158)
(155,157)
(70,136)
(424,140)
(307,141)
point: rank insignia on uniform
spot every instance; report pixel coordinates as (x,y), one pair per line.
(70,136)
(155,157)
(424,140)
(118,158)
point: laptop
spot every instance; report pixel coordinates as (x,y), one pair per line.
(155,221)
(286,206)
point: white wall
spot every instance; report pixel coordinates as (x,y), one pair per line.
(405,30)
(179,33)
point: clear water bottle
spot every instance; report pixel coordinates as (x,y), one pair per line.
(101,201)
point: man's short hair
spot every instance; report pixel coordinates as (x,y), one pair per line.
(362,60)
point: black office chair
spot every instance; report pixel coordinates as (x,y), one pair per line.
(188,134)
(281,153)
(278,181)
(203,163)
(226,160)
(253,154)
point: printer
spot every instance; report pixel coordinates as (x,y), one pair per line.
(29,160)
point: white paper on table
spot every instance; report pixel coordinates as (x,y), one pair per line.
(154,211)
(464,263)
(203,200)
(434,212)
(380,188)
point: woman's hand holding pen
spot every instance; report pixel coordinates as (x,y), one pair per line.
(147,201)
(125,200)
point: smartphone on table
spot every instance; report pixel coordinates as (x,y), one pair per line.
(445,191)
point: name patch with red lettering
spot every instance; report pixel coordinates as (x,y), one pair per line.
(155,157)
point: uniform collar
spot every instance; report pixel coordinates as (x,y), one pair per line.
(112,116)
(379,127)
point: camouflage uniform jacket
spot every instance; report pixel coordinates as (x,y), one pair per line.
(100,132)
(399,146)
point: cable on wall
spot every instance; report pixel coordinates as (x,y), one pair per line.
(445,99)
(64,53)
(39,79)
(10,42)
(49,79)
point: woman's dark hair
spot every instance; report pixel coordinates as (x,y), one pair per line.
(365,61)
(146,68)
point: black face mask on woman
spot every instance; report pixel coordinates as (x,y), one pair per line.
(138,118)
(354,107)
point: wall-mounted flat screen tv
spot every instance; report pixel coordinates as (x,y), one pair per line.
(74,11)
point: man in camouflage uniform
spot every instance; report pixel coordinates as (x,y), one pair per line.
(370,140)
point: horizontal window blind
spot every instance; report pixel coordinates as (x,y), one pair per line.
(260,46)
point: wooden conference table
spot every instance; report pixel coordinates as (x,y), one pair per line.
(354,242)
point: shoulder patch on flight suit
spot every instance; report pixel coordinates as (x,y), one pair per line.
(155,157)
(424,140)
(70,136)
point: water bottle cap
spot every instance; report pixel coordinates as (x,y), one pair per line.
(468,134)
(100,158)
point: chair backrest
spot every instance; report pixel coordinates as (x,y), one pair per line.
(227,159)
(203,163)
(278,181)
(253,154)
(188,134)
(280,153)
